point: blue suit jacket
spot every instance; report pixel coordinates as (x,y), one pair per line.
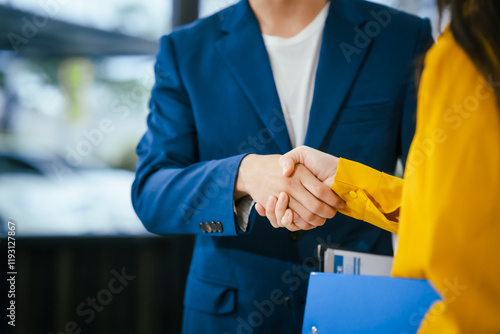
(215,101)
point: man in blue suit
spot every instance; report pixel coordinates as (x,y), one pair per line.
(221,115)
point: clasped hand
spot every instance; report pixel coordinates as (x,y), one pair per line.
(293,190)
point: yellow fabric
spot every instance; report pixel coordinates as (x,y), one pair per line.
(378,193)
(449,232)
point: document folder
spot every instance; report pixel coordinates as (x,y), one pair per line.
(341,261)
(365,304)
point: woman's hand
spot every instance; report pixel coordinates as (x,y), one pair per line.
(321,165)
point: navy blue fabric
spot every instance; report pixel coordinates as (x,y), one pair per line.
(215,101)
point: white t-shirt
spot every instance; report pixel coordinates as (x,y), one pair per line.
(294,62)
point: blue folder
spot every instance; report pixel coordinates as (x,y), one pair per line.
(338,303)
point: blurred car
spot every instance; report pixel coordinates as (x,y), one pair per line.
(48,197)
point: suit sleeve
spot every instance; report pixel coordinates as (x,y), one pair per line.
(368,193)
(174,192)
(408,122)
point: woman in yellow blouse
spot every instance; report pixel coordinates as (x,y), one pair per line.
(449,224)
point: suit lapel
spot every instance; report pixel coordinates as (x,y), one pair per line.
(243,49)
(338,66)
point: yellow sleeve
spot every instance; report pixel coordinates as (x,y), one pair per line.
(368,193)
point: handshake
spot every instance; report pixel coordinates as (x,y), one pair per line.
(292,190)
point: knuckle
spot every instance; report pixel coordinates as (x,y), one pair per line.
(318,190)
(336,198)
(309,227)
(309,217)
(316,206)
(324,191)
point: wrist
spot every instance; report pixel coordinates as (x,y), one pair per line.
(241,188)
(332,171)
(336,166)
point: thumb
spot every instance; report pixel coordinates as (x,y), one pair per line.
(295,156)
(287,163)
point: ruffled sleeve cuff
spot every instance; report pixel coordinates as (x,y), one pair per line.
(368,193)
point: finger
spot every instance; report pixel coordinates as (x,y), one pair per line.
(321,191)
(260,209)
(287,163)
(309,203)
(310,208)
(281,207)
(287,218)
(270,208)
(287,221)
(292,227)
(295,156)
(301,223)
(305,212)
(322,165)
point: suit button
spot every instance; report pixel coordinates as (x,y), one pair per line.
(296,235)
(202,228)
(288,302)
(219,227)
(208,227)
(353,194)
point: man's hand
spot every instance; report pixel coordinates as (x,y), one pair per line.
(261,177)
(277,210)
(322,165)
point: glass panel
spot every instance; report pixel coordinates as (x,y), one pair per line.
(209,7)
(69,126)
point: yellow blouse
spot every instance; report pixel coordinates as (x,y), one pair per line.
(449,230)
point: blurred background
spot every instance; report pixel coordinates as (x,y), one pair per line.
(75,79)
